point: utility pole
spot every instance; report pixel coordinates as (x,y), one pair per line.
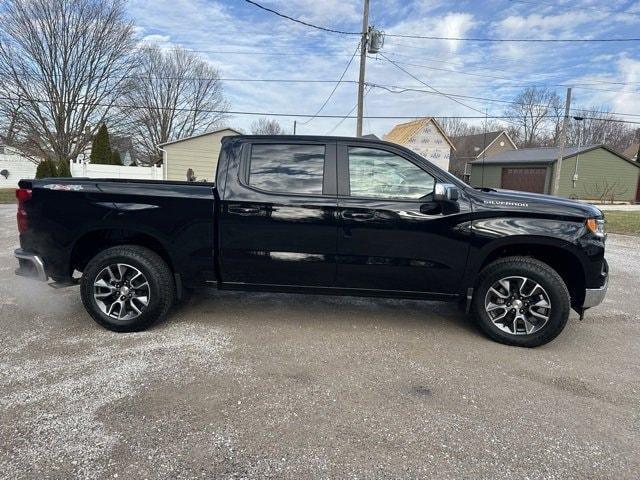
(363,59)
(563,140)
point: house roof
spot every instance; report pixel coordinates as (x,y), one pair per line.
(199,135)
(466,144)
(543,155)
(403,132)
(632,151)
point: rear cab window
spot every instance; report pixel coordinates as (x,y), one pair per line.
(287,168)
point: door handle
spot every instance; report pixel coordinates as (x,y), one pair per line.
(351,215)
(241,210)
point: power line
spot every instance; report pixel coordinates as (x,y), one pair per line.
(348,115)
(516,40)
(331,30)
(222,79)
(427,85)
(429,37)
(506,79)
(397,89)
(299,115)
(335,87)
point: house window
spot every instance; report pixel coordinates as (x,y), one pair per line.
(287,168)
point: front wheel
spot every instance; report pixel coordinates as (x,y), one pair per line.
(521,301)
(127,288)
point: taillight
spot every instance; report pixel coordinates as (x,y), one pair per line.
(23,195)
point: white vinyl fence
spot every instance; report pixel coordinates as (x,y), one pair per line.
(15,168)
(82,169)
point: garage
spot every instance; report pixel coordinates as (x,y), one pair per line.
(591,172)
(524,179)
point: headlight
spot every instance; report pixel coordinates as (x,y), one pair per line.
(596,226)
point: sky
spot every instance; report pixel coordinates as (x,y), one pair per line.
(246,43)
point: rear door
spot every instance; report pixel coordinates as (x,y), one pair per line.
(278,219)
(392,236)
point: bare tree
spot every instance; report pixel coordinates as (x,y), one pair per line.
(264,126)
(604,191)
(594,126)
(456,127)
(63,63)
(174,94)
(531,110)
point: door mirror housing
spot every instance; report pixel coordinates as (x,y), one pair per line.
(446,192)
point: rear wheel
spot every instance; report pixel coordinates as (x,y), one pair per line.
(127,288)
(521,301)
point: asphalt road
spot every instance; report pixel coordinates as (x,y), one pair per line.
(282,386)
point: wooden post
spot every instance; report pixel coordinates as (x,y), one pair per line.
(563,139)
(363,59)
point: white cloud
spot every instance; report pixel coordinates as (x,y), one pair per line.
(325,12)
(210,26)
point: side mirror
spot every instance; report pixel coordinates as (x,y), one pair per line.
(446,192)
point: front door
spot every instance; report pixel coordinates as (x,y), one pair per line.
(392,236)
(278,219)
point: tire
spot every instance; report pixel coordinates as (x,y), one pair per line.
(531,330)
(155,284)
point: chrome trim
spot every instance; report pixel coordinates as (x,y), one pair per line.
(35,260)
(595,296)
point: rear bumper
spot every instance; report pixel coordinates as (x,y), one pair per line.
(595,296)
(30,265)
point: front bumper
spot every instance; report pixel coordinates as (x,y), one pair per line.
(30,265)
(595,296)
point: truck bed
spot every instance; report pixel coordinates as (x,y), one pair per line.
(66,215)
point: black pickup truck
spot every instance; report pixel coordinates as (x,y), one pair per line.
(328,215)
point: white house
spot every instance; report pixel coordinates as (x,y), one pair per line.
(425,137)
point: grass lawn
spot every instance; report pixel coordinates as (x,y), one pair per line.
(7,195)
(622,222)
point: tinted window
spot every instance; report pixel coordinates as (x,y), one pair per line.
(380,174)
(287,168)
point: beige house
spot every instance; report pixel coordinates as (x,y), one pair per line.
(425,137)
(198,153)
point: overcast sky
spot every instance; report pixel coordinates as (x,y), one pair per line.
(605,74)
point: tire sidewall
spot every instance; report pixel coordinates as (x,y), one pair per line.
(538,272)
(148,315)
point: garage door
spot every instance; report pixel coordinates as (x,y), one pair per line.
(524,179)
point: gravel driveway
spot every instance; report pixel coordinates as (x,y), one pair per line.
(249,385)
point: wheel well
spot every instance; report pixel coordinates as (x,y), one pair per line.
(90,244)
(562,261)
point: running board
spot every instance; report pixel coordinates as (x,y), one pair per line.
(69,283)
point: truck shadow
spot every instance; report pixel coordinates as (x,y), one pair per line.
(261,307)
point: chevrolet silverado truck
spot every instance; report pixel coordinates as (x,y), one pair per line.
(321,215)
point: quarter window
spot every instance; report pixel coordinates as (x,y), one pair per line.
(287,168)
(381,174)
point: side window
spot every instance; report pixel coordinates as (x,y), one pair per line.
(380,174)
(287,168)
